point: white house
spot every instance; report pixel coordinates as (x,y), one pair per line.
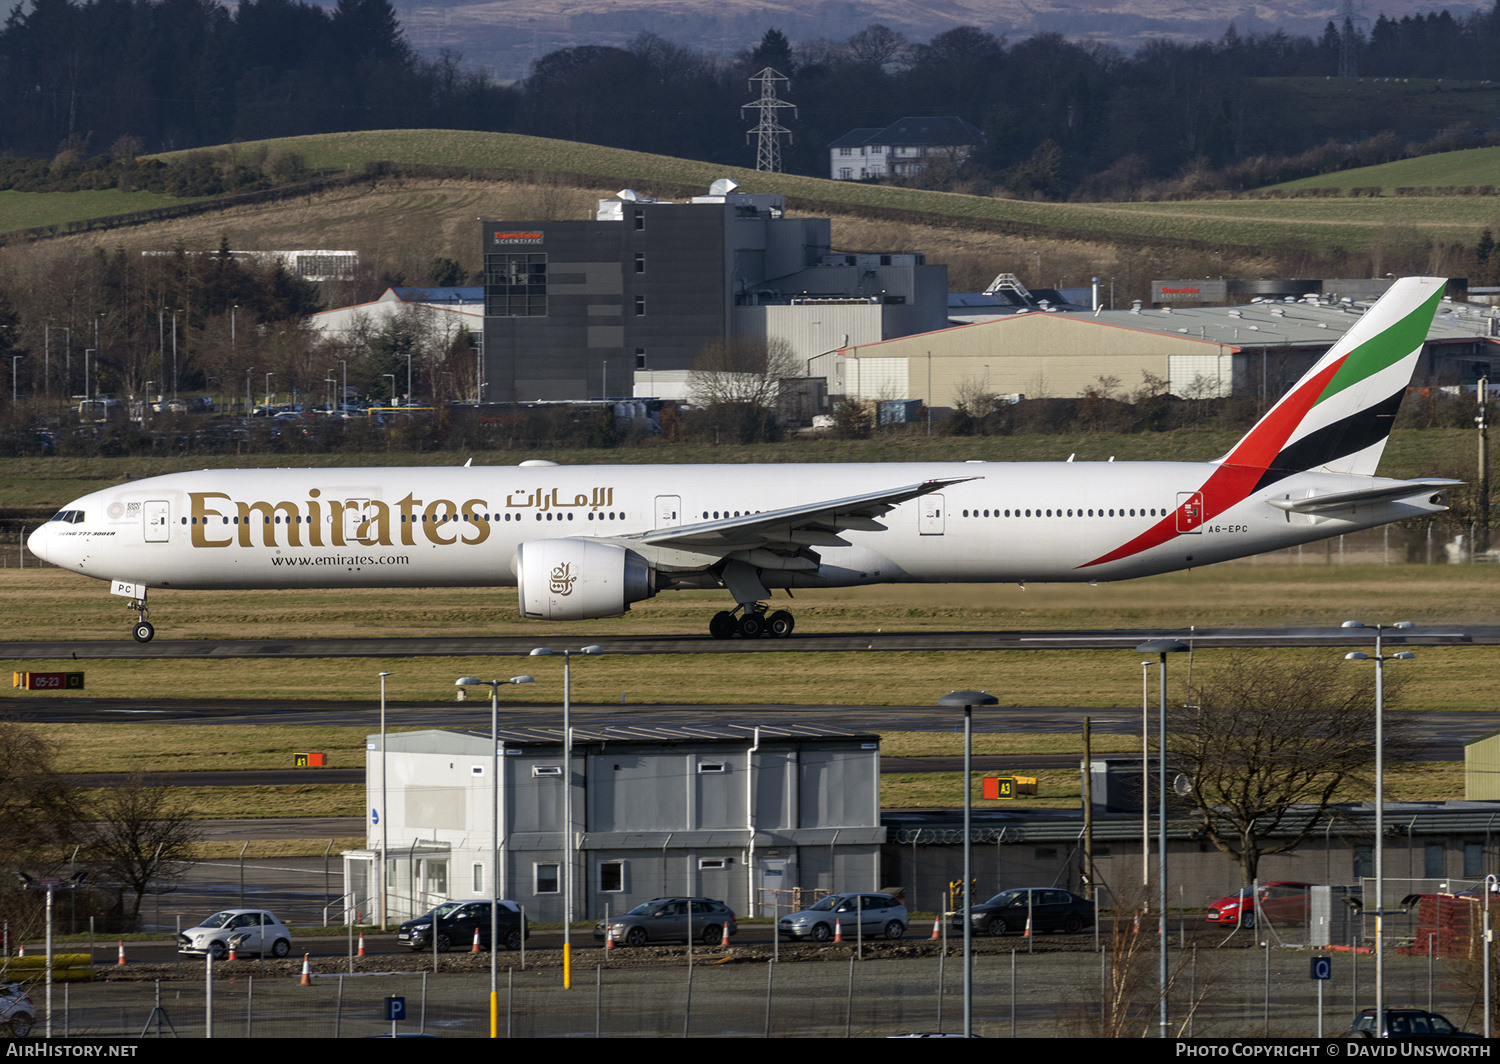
(904,147)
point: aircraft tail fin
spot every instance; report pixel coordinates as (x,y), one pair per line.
(1338,416)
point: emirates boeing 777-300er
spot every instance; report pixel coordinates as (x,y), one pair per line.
(587,541)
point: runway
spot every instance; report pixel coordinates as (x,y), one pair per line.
(810,643)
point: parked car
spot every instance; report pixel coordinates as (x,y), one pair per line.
(667,920)
(1406,1023)
(876,914)
(16,1009)
(1050,910)
(458,920)
(246,930)
(1280,903)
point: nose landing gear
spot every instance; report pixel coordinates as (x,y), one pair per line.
(752,623)
(142,630)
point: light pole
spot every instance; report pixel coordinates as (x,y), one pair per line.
(87,351)
(968,699)
(384,811)
(494,887)
(567,656)
(1380,660)
(269,375)
(13,360)
(392,377)
(1162,647)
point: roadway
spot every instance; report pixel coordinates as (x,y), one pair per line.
(512,646)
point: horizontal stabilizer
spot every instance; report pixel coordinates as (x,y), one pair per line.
(1343,500)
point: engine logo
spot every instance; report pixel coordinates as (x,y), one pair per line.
(563,579)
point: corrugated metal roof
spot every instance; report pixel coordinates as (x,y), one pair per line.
(1249,325)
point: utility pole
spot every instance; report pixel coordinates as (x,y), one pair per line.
(1482,526)
(769,129)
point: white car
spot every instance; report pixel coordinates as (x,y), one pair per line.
(245,930)
(16,1009)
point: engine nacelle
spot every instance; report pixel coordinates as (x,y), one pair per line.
(575,579)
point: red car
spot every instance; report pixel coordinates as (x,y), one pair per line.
(1280,903)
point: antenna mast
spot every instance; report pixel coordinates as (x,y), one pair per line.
(769,129)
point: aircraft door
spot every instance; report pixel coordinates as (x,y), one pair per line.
(930,522)
(1189,512)
(157,513)
(356,511)
(668,511)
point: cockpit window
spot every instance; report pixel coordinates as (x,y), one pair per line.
(72,517)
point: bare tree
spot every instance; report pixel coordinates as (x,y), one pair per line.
(38,812)
(739,382)
(972,397)
(742,369)
(1264,750)
(143,834)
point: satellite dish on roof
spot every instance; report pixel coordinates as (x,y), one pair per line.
(722,187)
(628,194)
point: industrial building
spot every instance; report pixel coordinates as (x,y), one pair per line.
(734,812)
(449,309)
(1256,349)
(574,309)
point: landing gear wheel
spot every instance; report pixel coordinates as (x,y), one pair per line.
(723,625)
(780,624)
(753,625)
(143,631)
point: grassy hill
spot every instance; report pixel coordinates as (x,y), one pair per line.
(1206,225)
(1475,166)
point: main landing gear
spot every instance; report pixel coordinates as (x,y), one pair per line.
(142,629)
(752,623)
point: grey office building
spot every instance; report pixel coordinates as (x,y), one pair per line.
(574,308)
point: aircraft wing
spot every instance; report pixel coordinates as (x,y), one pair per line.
(1342,500)
(815,524)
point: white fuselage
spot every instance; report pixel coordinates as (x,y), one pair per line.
(461,526)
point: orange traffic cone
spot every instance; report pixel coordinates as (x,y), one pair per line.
(1136,930)
(838,930)
(306,970)
(609,938)
(234,954)
(935,928)
(121,959)
(475,948)
(361,944)
(1027,933)
(725,940)
(22,951)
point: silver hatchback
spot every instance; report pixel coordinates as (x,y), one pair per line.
(871,914)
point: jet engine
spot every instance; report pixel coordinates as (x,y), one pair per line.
(575,579)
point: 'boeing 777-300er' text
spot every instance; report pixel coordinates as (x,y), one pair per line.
(587,541)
